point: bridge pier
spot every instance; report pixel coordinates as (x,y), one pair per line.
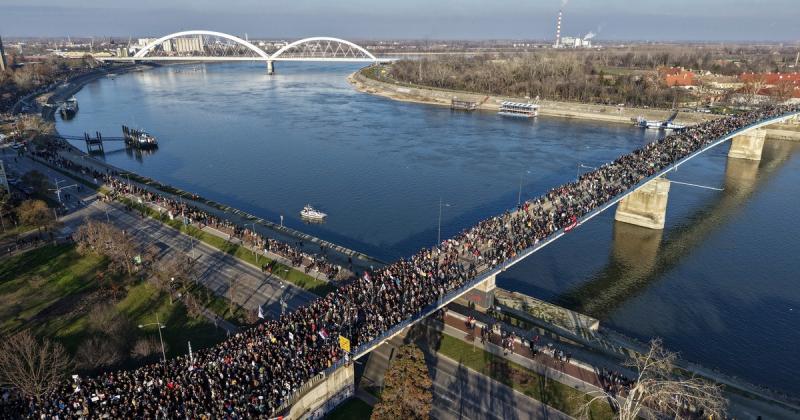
(748,145)
(270,67)
(647,206)
(482,295)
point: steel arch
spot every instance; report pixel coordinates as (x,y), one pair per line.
(141,53)
(322,38)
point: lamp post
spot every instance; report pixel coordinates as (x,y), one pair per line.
(439,235)
(519,195)
(160,338)
(581,165)
(255,241)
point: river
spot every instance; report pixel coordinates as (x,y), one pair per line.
(718,284)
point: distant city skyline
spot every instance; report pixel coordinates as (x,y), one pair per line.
(656,20)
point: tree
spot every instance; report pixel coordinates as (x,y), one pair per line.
(32,366)
(167,271)
(407,391)
(35,213)
(38,182)
(106,240)
(659,388)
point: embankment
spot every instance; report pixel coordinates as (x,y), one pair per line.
(407,93)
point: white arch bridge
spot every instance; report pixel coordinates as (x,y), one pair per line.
(202,45)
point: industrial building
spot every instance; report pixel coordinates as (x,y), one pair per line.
(570,41)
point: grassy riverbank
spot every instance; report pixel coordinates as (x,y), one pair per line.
(528,382)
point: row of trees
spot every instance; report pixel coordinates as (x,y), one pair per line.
(19,80)
(563,77)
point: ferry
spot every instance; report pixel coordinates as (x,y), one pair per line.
(139,139)
(667,124)
(310,213)
(69,108)
(518,109)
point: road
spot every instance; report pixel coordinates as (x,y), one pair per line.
(458,392)
(215,269)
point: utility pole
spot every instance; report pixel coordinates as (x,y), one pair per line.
(439,235)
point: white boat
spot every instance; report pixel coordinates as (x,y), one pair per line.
(311,213)
(518,110)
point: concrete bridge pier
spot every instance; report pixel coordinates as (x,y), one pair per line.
(748,145)
(647,206)
(270,68)
(482,295)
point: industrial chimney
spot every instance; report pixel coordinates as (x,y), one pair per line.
(558,31)
(2,57)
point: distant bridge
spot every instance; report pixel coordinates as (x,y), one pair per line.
(202,45)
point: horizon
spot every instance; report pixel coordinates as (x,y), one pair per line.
(732,21)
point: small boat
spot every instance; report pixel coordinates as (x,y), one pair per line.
(667,124)
(311,213)
(139,139)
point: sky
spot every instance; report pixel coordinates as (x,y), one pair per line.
(656,20)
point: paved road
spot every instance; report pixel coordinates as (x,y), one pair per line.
(459,392)
(215,269)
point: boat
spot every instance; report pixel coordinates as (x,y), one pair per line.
(69,108)
(139,139)
(667,124)
(311,213)
(518,109)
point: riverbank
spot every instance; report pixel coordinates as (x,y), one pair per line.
(72,86)
(363,82)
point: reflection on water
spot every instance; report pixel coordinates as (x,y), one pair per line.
(718,284)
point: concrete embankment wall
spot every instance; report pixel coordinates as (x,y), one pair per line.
(492,103)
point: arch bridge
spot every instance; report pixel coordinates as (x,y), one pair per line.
(209,46)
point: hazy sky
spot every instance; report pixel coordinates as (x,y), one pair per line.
(772,20)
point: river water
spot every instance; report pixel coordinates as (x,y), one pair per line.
(719,284)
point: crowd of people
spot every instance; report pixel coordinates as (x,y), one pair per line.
(256,371)
(118,186)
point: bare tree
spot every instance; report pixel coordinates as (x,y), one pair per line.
(146,347)
(34,367)
(233,289)
(35,213)
(104,239)
(167,271)
(659,388)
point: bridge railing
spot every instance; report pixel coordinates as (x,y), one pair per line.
(363,349)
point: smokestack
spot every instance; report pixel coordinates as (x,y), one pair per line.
(558,30)
(2,57)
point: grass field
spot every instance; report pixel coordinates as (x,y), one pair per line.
(550,392)
(47,290)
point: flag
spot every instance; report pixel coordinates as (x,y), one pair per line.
(291,336)
(366,276)
(323,334)
(572,224)
(260,312)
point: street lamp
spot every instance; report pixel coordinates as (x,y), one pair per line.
(160,338)
(439,235)
(519,196)
(581,165)
(255,241)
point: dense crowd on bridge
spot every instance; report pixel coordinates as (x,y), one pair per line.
(254,373)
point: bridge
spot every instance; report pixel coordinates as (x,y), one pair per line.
(371,310)
(211,46)
(644,204)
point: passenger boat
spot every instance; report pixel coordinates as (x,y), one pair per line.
(139,139)
(311,213)
(518,109)
(667,124)
(69,108)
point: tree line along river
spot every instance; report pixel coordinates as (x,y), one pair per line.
(718,284)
